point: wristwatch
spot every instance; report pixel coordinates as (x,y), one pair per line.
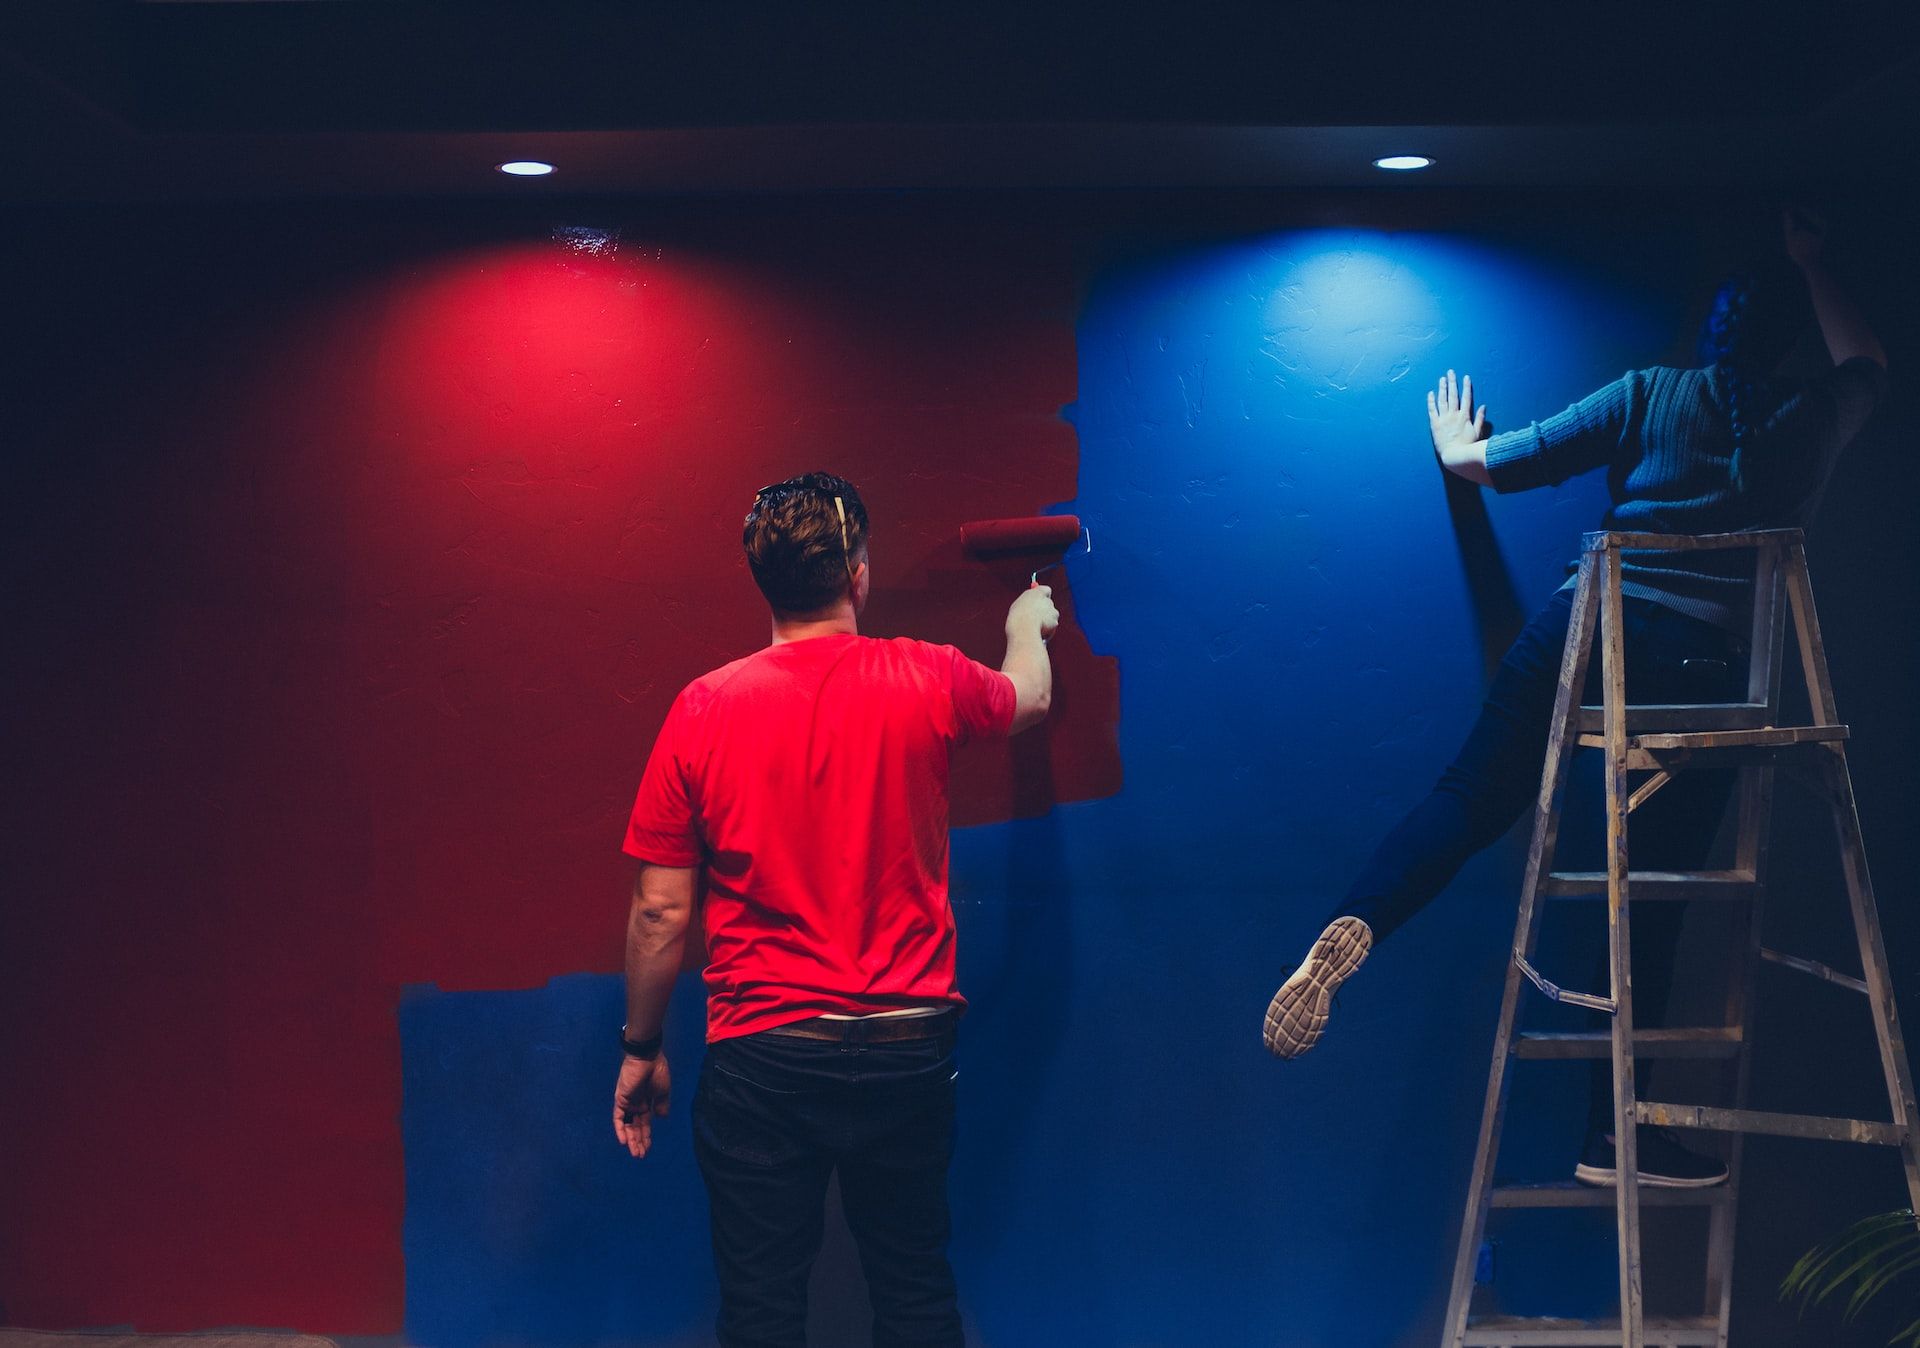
(647,1049)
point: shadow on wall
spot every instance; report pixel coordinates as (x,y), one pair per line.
(1497,613)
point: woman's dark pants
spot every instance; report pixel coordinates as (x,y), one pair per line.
(1495,780)
(774,1116)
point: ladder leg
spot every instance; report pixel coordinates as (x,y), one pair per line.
(1473,1225)
(1619,945)
(1873,960)
(1765,649)
(1562,736)
(1813,650)
(1751,847)
(1767,634)
(1853,863)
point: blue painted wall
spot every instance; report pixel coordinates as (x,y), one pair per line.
(1302,614)
(1281,574)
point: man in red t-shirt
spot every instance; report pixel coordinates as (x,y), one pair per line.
(806,787)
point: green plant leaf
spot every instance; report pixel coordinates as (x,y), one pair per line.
(1813,1277)
(1873,1283)
(1870,1259)
(1863,1260)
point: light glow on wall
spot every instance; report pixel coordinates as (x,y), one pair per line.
(1403,163)
(524,168)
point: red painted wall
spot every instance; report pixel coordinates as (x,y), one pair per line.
(357,559)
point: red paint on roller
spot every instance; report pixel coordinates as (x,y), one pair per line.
(1034,534)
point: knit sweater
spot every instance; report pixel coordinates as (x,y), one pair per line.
(1666,440)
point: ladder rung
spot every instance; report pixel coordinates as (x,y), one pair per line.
(1777,1125)
(1647,718)
(1513,1331)
(1698,741)
(1570,1195)
(1700,1041)
(1734,884)
(1749,540)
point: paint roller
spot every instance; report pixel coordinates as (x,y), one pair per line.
(1034,534)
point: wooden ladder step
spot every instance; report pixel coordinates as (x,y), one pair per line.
(1723,885)
(1767,737)
(1599,540)
(1700,1041)
(1567,1194)
(1650,752)
(1776,1125)
(1651,717)
(1513,1331)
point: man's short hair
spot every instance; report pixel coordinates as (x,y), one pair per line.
(801,545)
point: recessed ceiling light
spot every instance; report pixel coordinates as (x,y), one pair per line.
(1401,163)
(525,168)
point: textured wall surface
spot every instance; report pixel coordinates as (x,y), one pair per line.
(357,558)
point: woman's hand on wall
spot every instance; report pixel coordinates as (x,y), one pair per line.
(1459,429)
(1805,236)
(1843,325)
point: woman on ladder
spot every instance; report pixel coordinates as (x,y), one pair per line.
(1723,448)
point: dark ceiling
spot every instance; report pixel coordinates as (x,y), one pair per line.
(156,98)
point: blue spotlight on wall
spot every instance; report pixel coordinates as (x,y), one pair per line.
(524,168)
(1403,163)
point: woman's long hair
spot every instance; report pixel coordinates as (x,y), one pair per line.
(1758,314)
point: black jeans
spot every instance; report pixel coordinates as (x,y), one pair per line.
(773,1118)
(1495,779)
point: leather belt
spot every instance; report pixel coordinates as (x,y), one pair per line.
(871,1030)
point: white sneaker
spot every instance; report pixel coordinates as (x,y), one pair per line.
(1297,1016)
(1662,1162)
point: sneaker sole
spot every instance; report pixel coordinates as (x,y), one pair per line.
(1595,1178)
(1297,1015)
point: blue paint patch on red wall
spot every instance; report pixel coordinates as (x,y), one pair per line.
(525,1222)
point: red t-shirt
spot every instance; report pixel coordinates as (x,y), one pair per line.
(810,782)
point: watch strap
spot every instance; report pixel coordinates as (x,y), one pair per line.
(647,1049)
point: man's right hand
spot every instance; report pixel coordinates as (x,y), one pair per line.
(1030,621)
(1034,611)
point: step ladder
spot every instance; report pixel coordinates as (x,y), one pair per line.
(1663,741)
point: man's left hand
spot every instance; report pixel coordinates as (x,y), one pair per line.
(641,1093)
